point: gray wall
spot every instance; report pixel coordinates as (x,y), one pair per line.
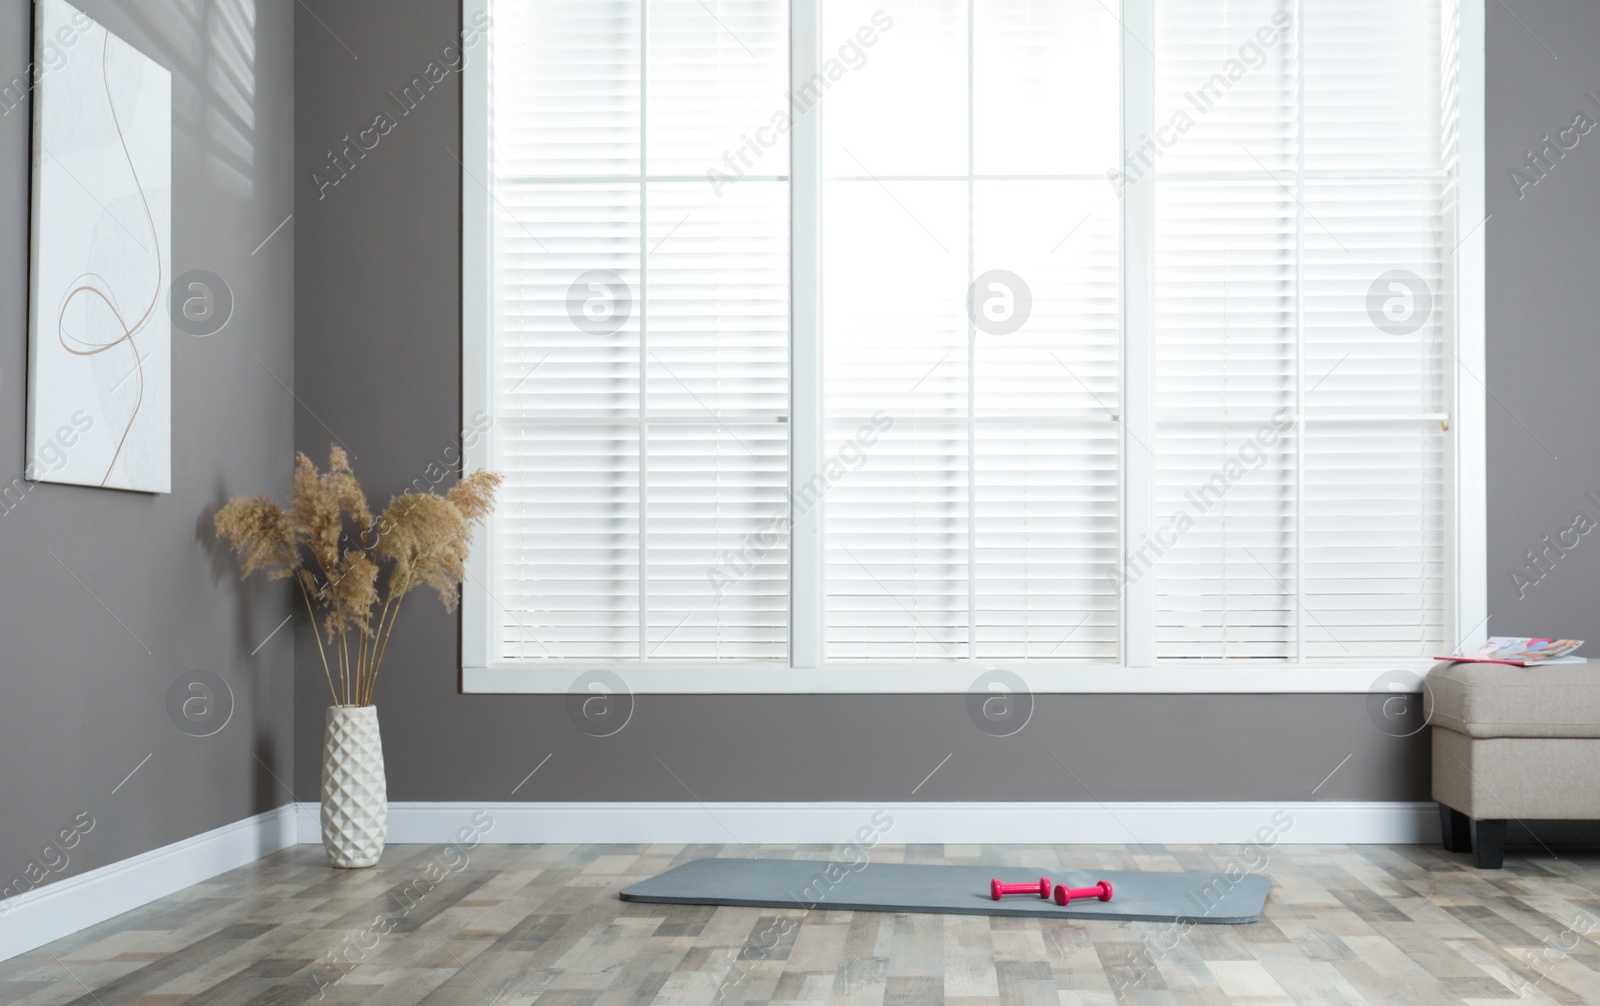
(378,267)
(83,699)
(1544,306)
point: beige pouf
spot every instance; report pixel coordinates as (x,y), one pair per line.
(1512,744)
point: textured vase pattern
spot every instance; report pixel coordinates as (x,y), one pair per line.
(355,795)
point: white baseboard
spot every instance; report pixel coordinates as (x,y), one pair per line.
(1308,823)
(48,913)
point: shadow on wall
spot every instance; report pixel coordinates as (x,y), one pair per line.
(210,47)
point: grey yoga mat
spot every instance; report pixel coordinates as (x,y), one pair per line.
(953,890)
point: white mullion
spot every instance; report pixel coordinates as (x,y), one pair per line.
(1300,335)
(480,646)
(1138,628)
(644,331)
(1470,400)
(807,429)
(972,361)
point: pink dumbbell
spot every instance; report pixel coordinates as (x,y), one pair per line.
(1101,890)
(997,889)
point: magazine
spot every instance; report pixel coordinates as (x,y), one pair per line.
(1520,651)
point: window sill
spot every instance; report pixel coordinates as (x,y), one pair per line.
(947,679)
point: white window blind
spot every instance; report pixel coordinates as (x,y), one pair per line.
(1298,446)
(640,348)
(995,179)
(981,524)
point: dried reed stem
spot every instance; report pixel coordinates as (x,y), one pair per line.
(422,538)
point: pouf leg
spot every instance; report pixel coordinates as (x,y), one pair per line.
(1489,844)
(1456,830)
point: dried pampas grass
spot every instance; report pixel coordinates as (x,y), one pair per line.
(423,538)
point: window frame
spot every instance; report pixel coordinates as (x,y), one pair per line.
(807,673)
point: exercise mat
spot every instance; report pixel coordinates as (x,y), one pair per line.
(1228,898)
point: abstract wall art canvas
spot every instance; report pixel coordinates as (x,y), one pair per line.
(100,353)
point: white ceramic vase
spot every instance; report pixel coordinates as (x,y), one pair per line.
(355,795)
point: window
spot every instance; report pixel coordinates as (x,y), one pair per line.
(838,341)
(639,357)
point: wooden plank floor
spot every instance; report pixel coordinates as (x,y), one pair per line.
(512,925)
